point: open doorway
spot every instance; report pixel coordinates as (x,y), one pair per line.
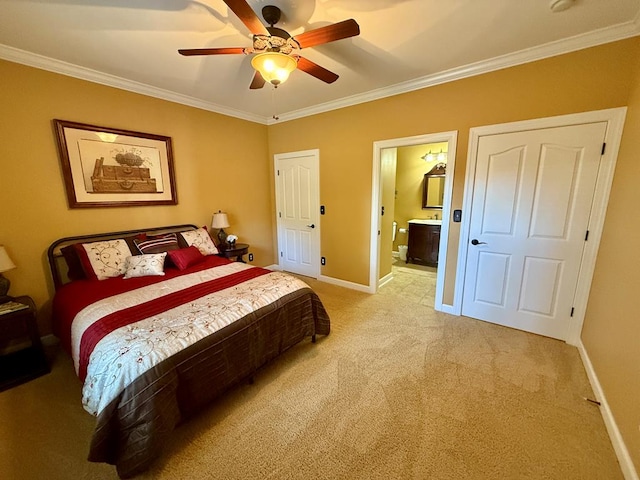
(410,217)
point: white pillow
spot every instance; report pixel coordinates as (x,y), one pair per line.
(201,240)
(145,265)
(107,258)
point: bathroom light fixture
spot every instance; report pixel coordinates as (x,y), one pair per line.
(427,157)
(5,264)
(430,157)
(220,221)
(274,67)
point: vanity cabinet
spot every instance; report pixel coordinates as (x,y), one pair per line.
(424,244)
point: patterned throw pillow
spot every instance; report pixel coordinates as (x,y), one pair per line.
(145,265)
(105,259)
(201,240)
(156,243)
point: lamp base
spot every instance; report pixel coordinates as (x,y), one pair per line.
(4,286)
(222,237)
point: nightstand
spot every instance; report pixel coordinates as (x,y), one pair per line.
(237,251)
(29,361)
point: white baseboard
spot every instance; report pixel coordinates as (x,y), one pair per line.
(343,283)
(626,464)
(334,281)
(441,307)
(386,279)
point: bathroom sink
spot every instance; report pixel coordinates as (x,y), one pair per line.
(425,221)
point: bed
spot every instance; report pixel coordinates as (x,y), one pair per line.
(159,326)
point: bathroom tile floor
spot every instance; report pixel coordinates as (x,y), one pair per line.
(413,283)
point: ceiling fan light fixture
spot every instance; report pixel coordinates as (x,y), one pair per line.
(274,67)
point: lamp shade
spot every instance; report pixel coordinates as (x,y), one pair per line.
(274,67)
(220,220)
(5,261)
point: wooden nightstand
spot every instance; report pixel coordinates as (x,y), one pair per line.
(28,362)
(237,251)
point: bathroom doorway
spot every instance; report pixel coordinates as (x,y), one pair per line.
(402,204)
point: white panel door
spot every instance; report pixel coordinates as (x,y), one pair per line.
(297,194)
(532,198)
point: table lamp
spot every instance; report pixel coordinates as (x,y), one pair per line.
(220,221)
(5,264)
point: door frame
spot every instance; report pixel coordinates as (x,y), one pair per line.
(615,121)
(315,153)
(376,205)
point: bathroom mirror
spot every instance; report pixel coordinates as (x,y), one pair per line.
(433,187)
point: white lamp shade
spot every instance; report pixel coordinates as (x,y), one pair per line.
(5,261)
(274,67)
(220,220)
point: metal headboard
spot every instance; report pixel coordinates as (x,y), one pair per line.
(56,260)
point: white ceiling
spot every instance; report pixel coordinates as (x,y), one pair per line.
(403,45)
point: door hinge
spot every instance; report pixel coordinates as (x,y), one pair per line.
(586,237)
(604,147)
(279,214)
(278,172)
(571,315)
(281,254)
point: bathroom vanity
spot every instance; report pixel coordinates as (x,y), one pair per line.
(424,242)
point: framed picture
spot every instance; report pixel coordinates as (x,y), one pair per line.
(107,167)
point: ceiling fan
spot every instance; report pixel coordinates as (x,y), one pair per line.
(277,52)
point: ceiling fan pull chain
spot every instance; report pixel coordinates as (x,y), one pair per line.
(273,102)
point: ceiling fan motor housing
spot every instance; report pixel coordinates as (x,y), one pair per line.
(271,14)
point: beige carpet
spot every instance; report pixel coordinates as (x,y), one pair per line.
(397,391)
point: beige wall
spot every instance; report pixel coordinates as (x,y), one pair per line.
(220,163)
(611,333)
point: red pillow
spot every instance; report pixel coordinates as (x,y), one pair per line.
(84,261)
(186,257)
(74,263)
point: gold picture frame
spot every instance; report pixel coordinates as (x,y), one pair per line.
(109,167)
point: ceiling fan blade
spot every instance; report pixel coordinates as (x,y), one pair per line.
(187,52)
(330,33)
(316,70)
(247,16)
(257,82)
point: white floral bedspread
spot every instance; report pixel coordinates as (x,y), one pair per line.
(124,354)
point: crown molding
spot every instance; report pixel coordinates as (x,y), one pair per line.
(57,66)
(578,42)
(552,49)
